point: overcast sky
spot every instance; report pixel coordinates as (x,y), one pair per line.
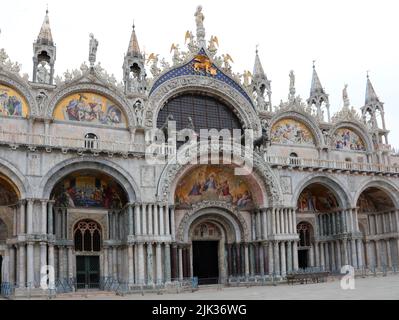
(345,37)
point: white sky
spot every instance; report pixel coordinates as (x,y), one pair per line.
(345,37)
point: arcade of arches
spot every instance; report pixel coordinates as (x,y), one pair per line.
(217,228)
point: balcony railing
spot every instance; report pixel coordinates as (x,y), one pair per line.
(50,141)
(330,164)
(99,145)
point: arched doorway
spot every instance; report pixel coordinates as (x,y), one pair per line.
(305,231)
(320,246)
(88,243)
(206,242)
(378,213)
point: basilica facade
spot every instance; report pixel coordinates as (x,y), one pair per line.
(79,195)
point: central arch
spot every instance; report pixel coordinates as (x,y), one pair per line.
(212,237)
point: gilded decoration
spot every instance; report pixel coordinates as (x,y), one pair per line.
(346,139)
(289,131)
(12,104)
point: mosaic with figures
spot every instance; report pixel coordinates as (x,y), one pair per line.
(317,198)
(289,131)
(345,139)
(89,191)
(217,183)
(12,104)
(90,108)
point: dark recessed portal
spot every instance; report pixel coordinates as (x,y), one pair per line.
(303,259)
(88,272)
(205,261)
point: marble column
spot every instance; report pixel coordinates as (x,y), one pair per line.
(11,264)
(130,264)
(144,219)
(339,255)
(274,227)
(278,219)
(156,216)
(51,261)
(159,263)
(261,259)
(389,256)
(322,257)
(270,257)
(354,256)
(137,219)
(167,263)
(180,263)
(264,225)
(105,264)
(50,217)
(327,255)
(397,223)
(345,251)
(290,229)
(149,215)
(150,266)
(311,257)
(115,262)
(130,219)
(283,259)
(378,253)
(167,219)
(22,265)
(70,263)
(276,257)
(246,253)
(295,255)
(289,257)
(29,217)
(172,222)
(43,220)
(30,265)
(317,254)
(140,247)
(333,260)
(22,229)
(161,221)
(43,258)
(359,250)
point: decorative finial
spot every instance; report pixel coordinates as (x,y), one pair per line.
(133,25)
(314,64)
(368,74)
(47,9)
(257,48)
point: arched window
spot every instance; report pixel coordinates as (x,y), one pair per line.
(87,236)
(206,113)
(304,231)
(91,141)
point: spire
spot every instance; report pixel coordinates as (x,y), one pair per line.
(134,48)
(316,84)
(45,36)
(371,96)
(258,69)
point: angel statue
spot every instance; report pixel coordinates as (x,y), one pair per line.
(176,54)
(93,50)
(213,42)
(247,75)
(154,66)
(199,18)
(226,59)
(189,37)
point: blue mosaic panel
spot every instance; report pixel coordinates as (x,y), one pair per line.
(188,69)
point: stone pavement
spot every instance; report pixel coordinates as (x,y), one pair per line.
(375,288)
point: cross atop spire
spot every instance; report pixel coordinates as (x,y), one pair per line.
(371,96)
(134,47)
(316,86)
(258,69)
(45,36)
